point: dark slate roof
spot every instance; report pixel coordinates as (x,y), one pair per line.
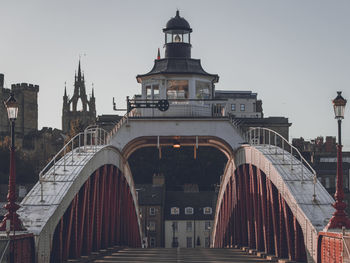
(263,121)
(177,23)
(178,66)
(149,194)
(197,200)
(225,94)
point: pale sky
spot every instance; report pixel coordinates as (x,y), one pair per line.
(293,53)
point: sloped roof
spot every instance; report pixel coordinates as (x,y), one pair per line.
(196,200)
(178,66)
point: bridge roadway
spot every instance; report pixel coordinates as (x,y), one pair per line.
(165,255)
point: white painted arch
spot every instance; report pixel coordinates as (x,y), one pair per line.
(141,127)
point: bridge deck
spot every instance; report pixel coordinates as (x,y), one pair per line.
(189,255)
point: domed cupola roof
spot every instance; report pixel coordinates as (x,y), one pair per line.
(177,23)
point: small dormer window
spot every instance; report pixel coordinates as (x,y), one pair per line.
(189,211)
(175,211)
(207,210)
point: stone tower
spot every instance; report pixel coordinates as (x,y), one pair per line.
(27,99)
(86,115)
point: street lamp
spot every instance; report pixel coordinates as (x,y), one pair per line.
(11,206)
(339,218)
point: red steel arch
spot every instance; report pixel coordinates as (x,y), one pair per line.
(101,214)
(254,214)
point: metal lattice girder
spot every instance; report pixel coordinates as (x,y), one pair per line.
(272,204)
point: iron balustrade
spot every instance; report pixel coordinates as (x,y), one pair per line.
(262,136)
(87,141)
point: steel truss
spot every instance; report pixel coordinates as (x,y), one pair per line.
(101,215)
(254,214)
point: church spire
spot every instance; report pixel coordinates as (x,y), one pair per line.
(65,89)
(79,71)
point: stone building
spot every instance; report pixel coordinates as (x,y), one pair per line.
(27,99)
(188,218)
(78,108)
(151,204)
(34,146)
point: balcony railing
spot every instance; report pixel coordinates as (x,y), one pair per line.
(178,108)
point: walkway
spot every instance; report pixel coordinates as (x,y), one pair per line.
(189,255)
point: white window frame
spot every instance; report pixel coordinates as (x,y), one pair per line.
(209,212)
(189,210)
(174,210)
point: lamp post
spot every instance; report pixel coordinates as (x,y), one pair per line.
(339,218)
(11,206)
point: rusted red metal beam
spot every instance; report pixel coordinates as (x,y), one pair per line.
(274,215)
(74,245)
(289,236)
(248,209)
(93,215)
(82,217)
(67,237)
(86,229)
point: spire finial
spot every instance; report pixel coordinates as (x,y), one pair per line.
(79,71)
(65,89)
(158,55)
(178,12)
(93,93)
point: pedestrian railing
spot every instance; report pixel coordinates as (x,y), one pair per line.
(120,123)
(84,142)
(275,141)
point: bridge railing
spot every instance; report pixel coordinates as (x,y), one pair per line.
(88,140)
(120,123)
(266,136)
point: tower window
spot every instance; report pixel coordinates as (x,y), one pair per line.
(177,89)
(177,38)
(156,92)
(149,92)
(202,90)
